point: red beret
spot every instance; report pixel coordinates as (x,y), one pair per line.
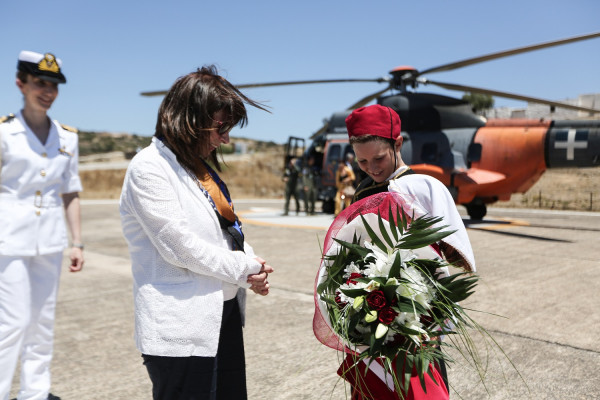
(375,120)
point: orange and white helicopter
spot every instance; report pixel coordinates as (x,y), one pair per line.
(480,161)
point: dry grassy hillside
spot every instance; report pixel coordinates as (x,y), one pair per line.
(562,189)
(258,175)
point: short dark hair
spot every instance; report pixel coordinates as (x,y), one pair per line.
(188,108)
(371,138)
(22,76)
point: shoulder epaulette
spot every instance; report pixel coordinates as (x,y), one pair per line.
(6,118)
(69,128)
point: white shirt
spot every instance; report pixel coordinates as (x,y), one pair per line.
(32,179)
(433,198)
(181,260)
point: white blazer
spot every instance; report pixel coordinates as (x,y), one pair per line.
(180,257)
(33,178)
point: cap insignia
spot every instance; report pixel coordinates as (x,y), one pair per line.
(49,63)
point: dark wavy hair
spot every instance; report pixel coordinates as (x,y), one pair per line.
(189,107)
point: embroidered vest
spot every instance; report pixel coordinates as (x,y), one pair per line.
(369,187)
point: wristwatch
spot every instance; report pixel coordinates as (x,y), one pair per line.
(78,245)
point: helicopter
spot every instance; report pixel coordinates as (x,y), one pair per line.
(481,161)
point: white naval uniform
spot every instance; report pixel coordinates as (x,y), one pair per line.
(33,236)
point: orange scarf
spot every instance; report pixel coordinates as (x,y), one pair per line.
(224,206)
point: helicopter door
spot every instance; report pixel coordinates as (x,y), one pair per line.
(294,148)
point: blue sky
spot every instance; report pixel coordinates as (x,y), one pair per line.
(113,50)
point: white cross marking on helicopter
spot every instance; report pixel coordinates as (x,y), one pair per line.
(571,144)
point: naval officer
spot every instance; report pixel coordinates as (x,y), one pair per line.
(38,178)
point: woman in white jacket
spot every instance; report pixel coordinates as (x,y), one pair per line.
(191,265)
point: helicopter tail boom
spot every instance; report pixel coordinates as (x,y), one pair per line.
(573,144)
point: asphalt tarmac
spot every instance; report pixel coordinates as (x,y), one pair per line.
(537,296)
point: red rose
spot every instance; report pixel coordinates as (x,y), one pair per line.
(376,300)
(339,302)
(352,278)
(426,320)
(387,315)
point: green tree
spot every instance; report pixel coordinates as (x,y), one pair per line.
(479,102)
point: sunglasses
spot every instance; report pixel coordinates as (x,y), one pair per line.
(222,129)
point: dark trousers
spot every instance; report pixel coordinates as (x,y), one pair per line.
(310,197)
(289,193)
(199,378)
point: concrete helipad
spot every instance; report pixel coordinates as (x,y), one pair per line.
(538,293)
(273,216)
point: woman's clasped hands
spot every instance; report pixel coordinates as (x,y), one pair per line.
(259,282)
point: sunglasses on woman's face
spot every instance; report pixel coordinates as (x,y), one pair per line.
(223,128)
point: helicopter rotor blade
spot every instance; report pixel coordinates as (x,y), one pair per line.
(356,105)
(464,88)
(154,93)
(285,83)
(506,53)
(288,83)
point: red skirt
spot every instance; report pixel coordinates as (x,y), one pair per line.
(372,385)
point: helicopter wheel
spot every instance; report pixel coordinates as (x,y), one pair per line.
(476,210)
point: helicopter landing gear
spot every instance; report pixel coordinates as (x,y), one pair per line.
(476,210)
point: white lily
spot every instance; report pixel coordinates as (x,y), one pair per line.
(350,269)
(358,302)
(410,321)
(373,285)
(380,262)
(381,330)
(416,287)
(346,286)
(371,316)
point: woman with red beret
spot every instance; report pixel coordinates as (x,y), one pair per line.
(374,133)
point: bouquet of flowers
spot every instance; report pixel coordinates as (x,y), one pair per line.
(384,296)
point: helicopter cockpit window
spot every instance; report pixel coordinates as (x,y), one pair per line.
(429,153)
(334,153)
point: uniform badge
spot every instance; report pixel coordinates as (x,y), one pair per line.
(64,152)
(6,118)
(49,63)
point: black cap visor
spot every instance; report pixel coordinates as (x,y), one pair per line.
(33,69)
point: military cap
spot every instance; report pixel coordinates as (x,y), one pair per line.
(43,66)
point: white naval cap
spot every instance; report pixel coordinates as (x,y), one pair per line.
(44,66)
